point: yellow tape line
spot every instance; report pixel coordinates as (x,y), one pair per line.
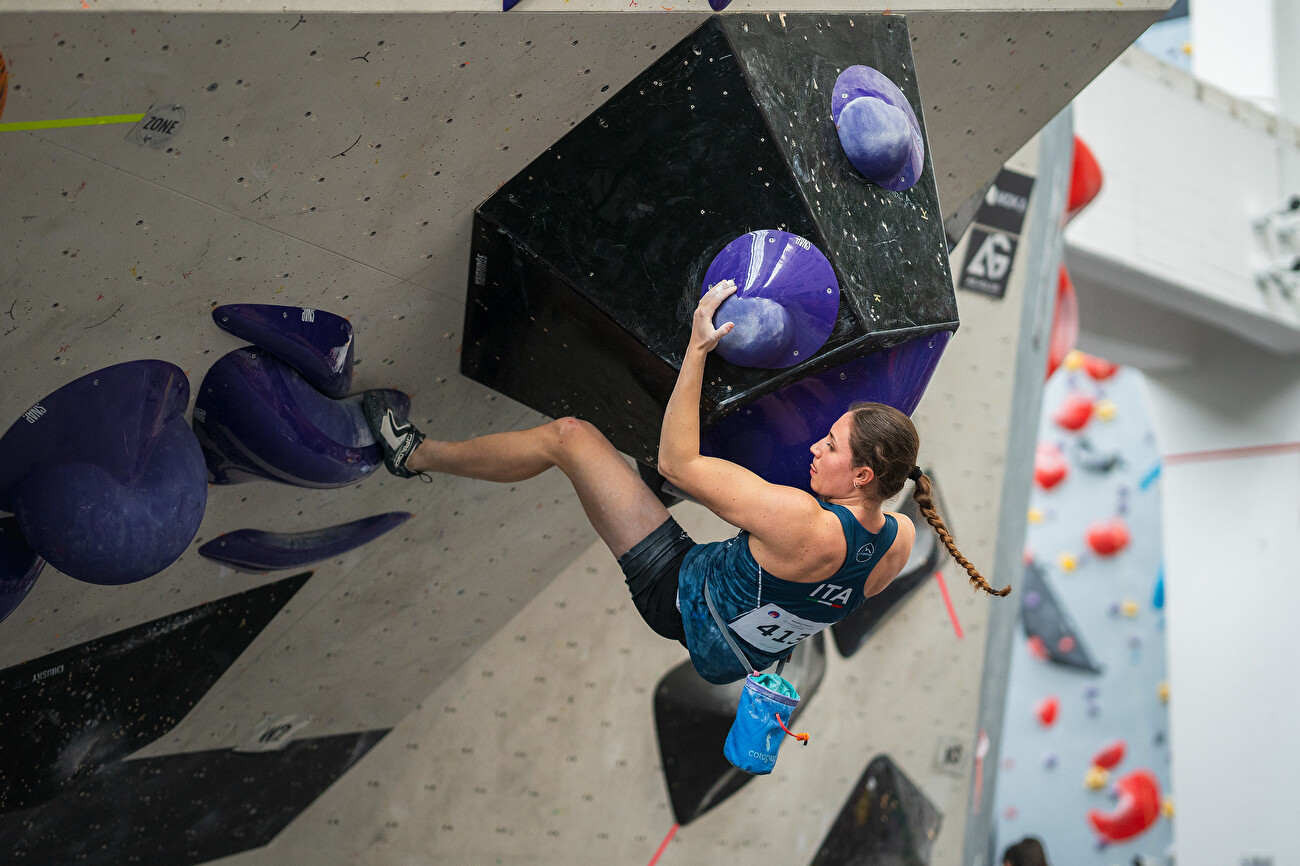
(72,121)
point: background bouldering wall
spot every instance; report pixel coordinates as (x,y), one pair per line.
(1088,668)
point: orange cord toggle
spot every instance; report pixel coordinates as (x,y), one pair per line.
(803,738)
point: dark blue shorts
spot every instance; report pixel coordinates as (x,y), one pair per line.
(650,569)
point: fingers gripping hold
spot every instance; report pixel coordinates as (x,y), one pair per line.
(703,333)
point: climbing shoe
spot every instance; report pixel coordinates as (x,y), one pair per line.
(396,436)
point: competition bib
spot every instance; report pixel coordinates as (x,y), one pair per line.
(774,629)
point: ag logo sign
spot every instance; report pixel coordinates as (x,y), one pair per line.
(996,232)
(988,262)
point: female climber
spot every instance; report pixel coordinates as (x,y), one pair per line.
(799,564)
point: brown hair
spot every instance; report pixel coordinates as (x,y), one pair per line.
(885,439)
(1027,852)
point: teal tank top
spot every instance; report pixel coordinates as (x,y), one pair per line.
(769,615)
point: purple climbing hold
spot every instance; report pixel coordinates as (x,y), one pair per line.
(772,435)
(786,301)
(878,128)
(1050,762)
(719,5)
(254,550)
(257,417)
(1033,599)
(315,343)
(19,566)
(104,477)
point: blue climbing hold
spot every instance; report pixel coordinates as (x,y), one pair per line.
(315,343)
(255,550)
(786,301)
(104,477)
(878,128)
(256,417)
(19,566)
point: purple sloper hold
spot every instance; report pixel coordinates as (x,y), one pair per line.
(880,135)
(507,5)
(19,566)
(104,477)
(315,343)
(254,550)
(255,416)
(786,301)
(719,5)
(772,435)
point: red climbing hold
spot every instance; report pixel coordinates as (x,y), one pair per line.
(1047,710)
(1137,810)
(1074,412)
(1050,466)
(1110,755)
(1099,368)
(1037,648)
(1108,537)
(1085,179)
(1065,322)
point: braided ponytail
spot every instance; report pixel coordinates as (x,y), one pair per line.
(886,440)
(922,495)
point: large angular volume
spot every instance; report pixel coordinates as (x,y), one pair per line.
(586,266)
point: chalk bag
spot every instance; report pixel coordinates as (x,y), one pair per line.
(756,735)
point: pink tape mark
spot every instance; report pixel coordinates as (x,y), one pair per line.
(947,600)
(663,845)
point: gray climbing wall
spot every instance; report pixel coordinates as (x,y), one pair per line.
(334,161)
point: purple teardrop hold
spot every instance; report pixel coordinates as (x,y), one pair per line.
(786,301)
(315,343)
(104,477)
(257,417)
(256,550)
(19,566)
(878,128)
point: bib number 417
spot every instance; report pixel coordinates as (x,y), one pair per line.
(773,629)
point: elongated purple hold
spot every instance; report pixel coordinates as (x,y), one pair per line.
(256,417)
(255,550)
(878,128)
(314,342)
(104,477)
(786,302)
(19,566)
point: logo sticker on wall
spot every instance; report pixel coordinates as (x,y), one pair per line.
(161,123)
(273,733)
(996,233)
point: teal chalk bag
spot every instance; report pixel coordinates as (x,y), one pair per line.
(766,703)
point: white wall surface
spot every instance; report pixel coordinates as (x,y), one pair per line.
(1233,48)
(1187,171)
(1231,517)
